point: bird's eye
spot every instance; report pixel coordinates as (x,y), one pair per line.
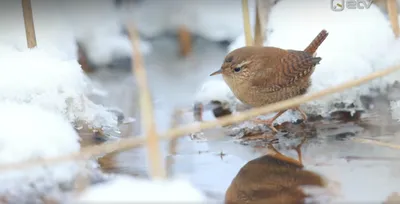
(237,69)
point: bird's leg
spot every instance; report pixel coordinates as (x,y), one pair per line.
(298,150)
(269,122)
(303,114)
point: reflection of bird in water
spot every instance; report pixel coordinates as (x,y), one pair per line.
(273,178)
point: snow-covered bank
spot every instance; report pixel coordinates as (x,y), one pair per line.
(354,48)
(30,132)
(39,78)
(128,189)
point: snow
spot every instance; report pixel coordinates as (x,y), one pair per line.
(216,20)
(39,78)
(98,28)
(129,189)
(30,132)
(359,42)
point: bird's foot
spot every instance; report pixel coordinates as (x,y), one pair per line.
(268,122)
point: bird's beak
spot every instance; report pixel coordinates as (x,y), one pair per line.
(216,72)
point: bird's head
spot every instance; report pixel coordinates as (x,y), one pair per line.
(238,65)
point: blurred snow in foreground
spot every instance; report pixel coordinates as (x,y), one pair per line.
(128,189)
(36,77)
(31,132)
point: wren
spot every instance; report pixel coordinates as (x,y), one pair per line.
(259,76)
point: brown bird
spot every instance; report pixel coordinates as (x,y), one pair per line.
(263,75)
(272,179)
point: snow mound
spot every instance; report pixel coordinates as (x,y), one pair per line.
(36,77)
(52,30)
(30,132)
(216,20)
(350,51)
(128,189)
(97,27)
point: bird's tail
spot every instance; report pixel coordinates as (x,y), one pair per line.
(312,48)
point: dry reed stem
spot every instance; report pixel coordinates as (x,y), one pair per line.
(185,41)
(128,143)
(146,107)
(375,142)
(246,23)
(29,25)
(393,16)
(259,28)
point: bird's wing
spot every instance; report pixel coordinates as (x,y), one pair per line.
(293,66)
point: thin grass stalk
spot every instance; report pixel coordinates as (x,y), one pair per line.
(246,23)
(147,116)
(29,25)
(128,143)
(393,16)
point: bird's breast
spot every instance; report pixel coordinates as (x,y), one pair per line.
(260,96)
